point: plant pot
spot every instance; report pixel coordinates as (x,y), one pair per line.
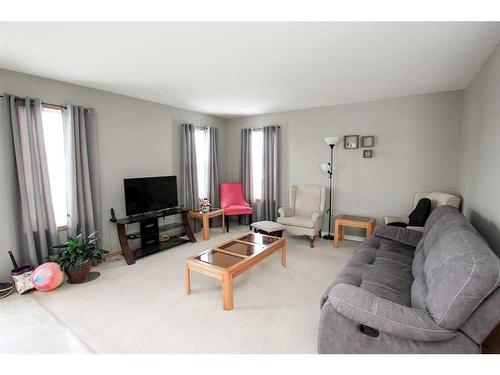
(76,277)
(205,209)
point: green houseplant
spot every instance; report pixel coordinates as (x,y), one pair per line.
(77,255)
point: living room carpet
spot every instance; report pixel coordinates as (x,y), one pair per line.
(143,308)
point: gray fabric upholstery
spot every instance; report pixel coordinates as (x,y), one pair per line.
(441,296)
(402,235)
(392,318)
(339,334)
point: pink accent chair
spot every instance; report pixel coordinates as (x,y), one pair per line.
(232,201)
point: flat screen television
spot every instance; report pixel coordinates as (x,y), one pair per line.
(150,194)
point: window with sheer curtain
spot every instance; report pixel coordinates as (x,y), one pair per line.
(201,140)
(54,145)
(257,161)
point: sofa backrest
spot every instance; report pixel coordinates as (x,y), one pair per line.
(454,269)
(306,199)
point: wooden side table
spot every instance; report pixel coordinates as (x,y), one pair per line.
(205,218)
(342,221)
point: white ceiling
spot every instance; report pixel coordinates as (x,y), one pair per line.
(236,69)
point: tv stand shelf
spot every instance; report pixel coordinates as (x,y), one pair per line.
(161,229)
(149,234)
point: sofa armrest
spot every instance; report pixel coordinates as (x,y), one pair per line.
(366,308)
(316,215)
(285,211)
(396,219)
(405,236)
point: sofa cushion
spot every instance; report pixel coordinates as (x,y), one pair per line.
(297,221)
(382,267)
(460,272)
(419,287)
(403,235)
(451,222)
(237,210)
(436,215)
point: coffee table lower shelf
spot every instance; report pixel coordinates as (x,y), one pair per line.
(231,258)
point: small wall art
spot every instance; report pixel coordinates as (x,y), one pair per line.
(368,141)
(351,141)
(368,153)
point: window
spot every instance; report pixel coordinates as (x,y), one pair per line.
(54,145)
(257,161)
(202,152)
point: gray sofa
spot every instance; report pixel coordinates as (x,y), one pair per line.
(404,291)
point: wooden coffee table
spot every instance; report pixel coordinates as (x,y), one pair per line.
(231,258)
(205,218)
(342,221)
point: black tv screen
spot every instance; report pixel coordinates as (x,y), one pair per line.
(150,194)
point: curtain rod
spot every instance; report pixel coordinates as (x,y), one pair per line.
(262,127)
(44,103)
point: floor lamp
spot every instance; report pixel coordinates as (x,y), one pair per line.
(328,168)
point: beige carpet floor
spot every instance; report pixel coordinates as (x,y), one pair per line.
(144,309)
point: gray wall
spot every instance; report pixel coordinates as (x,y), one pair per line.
(136,138)
(480,152)
(416,149)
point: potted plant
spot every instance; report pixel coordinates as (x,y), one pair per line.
(205,205)
(77,255)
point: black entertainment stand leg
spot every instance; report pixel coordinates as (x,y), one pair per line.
(127,252)
(150,234)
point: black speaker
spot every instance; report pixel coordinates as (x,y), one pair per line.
(113,217)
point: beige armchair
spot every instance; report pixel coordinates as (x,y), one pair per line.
(437,199)
(304,216)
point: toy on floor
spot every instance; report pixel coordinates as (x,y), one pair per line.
(21,276)
(47,276)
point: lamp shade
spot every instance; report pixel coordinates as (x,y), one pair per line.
(332,140)
(325,167)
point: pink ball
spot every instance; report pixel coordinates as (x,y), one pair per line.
(47,276)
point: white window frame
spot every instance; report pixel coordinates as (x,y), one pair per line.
(202,144)
(257,155)
(53,132)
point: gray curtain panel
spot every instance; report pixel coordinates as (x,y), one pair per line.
(213,173)
(80,146)
(37,213)
(246,169)
(189,187)
(270,173)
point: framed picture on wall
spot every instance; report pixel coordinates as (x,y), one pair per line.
(368,153)
(351,141)
(368,141)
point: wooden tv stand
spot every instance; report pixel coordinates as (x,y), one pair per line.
(150,233)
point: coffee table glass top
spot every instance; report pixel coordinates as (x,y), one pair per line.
(258,238)
(242,248)
(218,258)
(232,252)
